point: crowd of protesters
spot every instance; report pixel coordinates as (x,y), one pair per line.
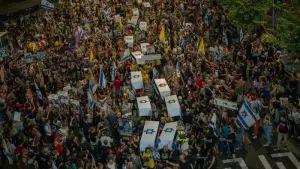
(47,137)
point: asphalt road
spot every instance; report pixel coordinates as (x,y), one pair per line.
(256,156)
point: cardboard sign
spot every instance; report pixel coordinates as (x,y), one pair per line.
(144,47)
(17,116)
(137,54)
(117,18)
(143,26)
(129,41)
(135,12)
(147,5)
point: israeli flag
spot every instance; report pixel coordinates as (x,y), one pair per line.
(47,4)
(126,56)
(6,152)
(114,71)
(149,136)
(38,92)
(225,37)
(181,43)
(241,36)
(155,73)
(246,116)
(102,81)
(218,53)
(90,101)
(206,20)
(177,69)
(213,123)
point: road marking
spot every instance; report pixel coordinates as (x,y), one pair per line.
(239,160)
(291,157)
(264,162)
(280,165)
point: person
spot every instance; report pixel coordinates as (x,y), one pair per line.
(256,124)
(268,128)
(210,160)
(232,142)
(282,131)
(183,164)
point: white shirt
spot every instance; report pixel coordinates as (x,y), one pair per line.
(109,140)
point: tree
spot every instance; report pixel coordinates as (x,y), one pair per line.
(246,14)
(287,33)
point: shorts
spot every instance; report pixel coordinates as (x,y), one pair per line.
(118,92)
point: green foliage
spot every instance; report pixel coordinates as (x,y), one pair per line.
(287,34)
(247,14)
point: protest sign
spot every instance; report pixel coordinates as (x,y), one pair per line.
(125,127)
(284,102)
(28,57)
(63,101)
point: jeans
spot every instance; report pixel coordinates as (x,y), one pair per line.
(268,133)
(239,138)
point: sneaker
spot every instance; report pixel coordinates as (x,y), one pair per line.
(266,145)
(254,137)
(285,148)
(276,149)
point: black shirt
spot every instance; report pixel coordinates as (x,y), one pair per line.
(232,137)
(164,155)
(184,165)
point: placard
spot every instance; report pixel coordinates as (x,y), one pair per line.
(63,98)
(75,106)
(144,47)
(125,127)
(226,103)
(147,5)
(143,26)
(117,18)
(137,54)
(129,41)
(135,12)
(150,49)
(28,57)
(284,102)
(17,116)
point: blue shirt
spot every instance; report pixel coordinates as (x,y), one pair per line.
(225,131)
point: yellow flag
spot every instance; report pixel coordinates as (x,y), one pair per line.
(162,36)
(91,56)
(202,48)
(121,24)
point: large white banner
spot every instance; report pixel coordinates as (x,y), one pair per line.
(226,103)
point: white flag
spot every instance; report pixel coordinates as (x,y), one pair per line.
(46,4)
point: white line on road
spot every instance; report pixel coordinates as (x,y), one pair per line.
(291,157)
(264,162)
(280,165)
(239,160)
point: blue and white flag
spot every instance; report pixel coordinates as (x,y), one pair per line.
(225,38)
(218,52)
(155,73)
(206,20)
(181,43)
(177,69)
(102,81)
(38,92)
(6,152)
(47,4)
(114,72)
(126,56)
(90,101)
(213,123)
(241,36)
(246,116)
